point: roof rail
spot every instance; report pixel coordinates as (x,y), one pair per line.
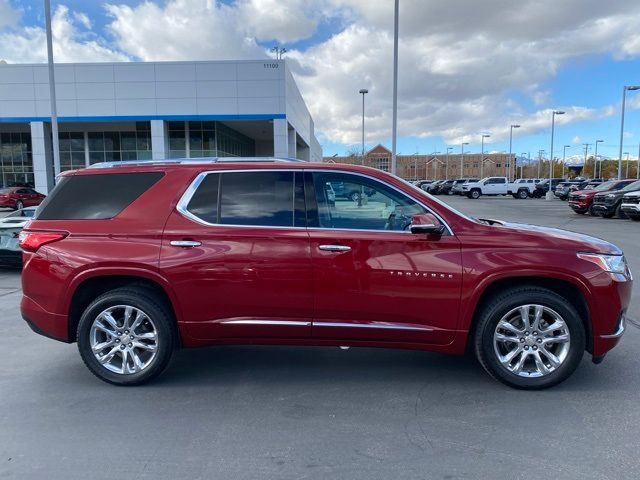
(191,161)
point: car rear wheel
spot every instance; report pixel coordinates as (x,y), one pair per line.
(126,336)
(529,338)
(523,194)
(19,205)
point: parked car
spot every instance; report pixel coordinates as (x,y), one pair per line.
(447,187)
(497,186)
(609,204)
(350,191)
(169,255)
(582,201)
(543,187)
(423,184)
(563,189)
(631,205)
(10,227)
(433,188)
(443,187)
(19,197)
(457,187)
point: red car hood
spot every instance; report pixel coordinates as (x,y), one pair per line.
(561,239)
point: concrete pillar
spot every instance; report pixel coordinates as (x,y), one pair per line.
(292,143)
(159,145)
(42,154)
(280,138)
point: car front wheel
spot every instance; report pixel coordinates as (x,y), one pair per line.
(529,338)
(19,205)
(126,336)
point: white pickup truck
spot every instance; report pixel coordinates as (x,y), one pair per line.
(521,188)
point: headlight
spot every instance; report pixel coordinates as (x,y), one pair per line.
(582,197)
(608,263)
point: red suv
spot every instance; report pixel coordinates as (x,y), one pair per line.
(184,254)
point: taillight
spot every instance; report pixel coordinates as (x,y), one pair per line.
(32,241)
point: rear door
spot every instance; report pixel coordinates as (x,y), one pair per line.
(236,251)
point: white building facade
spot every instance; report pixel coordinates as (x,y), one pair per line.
(141,111)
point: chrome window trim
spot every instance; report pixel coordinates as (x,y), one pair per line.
(184,200)
(370,325)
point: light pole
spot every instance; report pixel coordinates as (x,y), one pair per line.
(586,153)
(510,145)
(540,153)
(553,126)
(624,97)
(52,93)
(595,159)
(279,51)
(462,157)
(627,174)
(363,92)
(484,135)
(446,168)
(564,157)
(394,127)
(638,164)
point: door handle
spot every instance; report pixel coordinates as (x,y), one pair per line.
(185,243)
(335,248)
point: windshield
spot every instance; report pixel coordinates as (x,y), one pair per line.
(632,187)
(604,186)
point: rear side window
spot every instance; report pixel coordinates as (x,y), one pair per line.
(94,197)
(273,199)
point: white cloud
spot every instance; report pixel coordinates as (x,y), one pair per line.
(281,20)
(71,41)
(8,15)
(182,30)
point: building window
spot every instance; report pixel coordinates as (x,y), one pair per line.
(202,139)
(16,161)
(231,143)
(71,150)
(177,139)
(116,146)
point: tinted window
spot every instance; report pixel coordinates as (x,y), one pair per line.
(257,198)
(375,206)
(204,202)
(96,196)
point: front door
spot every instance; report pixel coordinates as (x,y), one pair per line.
(238,257)
(374,280)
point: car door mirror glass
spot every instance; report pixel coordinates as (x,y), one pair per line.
(426,224)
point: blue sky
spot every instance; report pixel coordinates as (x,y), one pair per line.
(473,72)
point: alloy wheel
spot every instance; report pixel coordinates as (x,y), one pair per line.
(531,341)
(123,339)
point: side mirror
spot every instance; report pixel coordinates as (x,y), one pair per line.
(426,224)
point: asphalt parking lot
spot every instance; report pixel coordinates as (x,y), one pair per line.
(299,412)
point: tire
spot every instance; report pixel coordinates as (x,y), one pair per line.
(354,196)
(523,194)
(620,213)
(159,320)
(488,345)
(591,211)
(635,218)
(19,205)
(475,194)
(606,215)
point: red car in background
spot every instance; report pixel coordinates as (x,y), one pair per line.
(20,197)
(582,201)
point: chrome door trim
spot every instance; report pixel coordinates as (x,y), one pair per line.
(292,323)
(382,326)
(335,248)
(181,206)
(185,243)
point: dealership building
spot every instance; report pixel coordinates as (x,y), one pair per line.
(143,111)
